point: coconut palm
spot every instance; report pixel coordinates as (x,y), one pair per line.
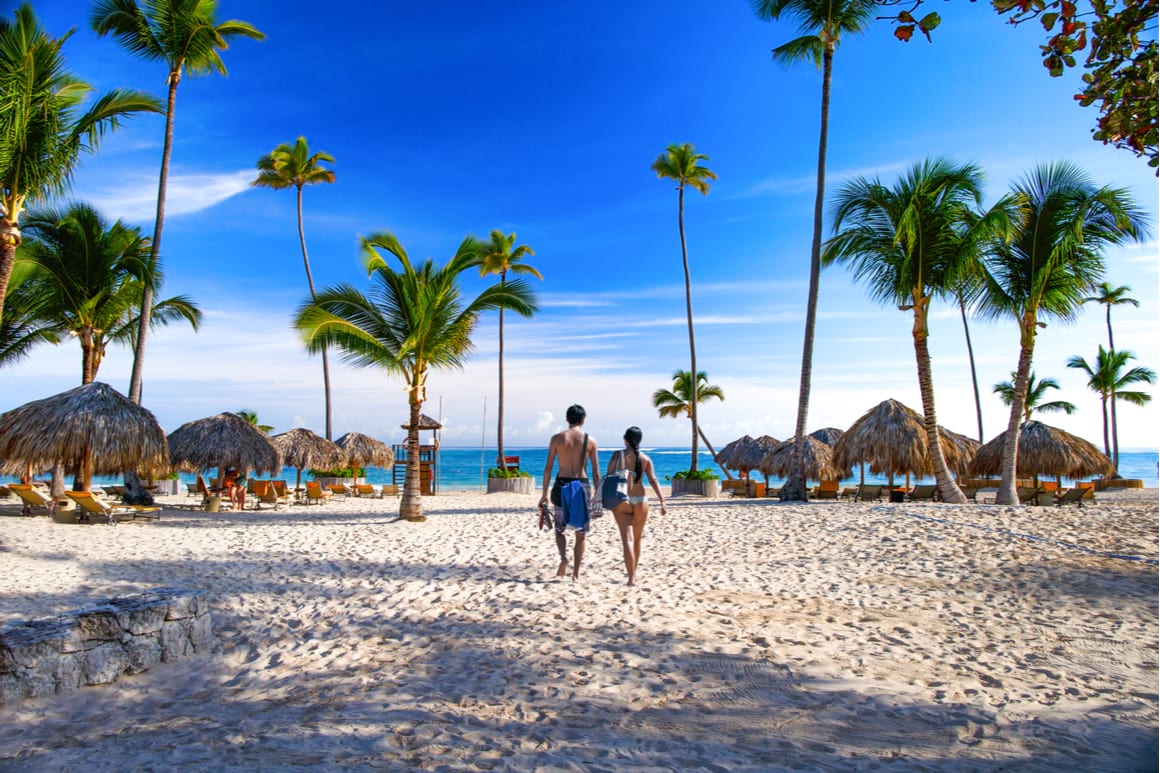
(682,163)
(822,24)
(1108,378)
(252,418)
(294,166)
(415,319)
(1109,296)
(1049,266)
(88,277)
(24,324)
(43,131)
(186,36)
(678,401)
(499,256)
(1036,394)
(908,244)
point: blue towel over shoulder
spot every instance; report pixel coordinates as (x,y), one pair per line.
(574,501)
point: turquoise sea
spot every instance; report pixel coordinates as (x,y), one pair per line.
(465,469)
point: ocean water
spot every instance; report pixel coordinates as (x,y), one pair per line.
(465,469)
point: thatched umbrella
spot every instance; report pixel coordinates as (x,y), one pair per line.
(828,435)
(302,449)
(1044,450)
(223,441)
(891,438)
(818,462)
(966,447)
(731,451)
(92,428)
(360,450)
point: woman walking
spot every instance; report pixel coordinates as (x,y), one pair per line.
(632,515)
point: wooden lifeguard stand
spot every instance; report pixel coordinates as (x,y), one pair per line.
(428,457)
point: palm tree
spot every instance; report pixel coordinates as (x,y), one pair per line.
(1036,394)
(678,401)
(415,319)
(186,36)
(88,278)
(24,324)
(499,256)
(1048,267)
(1109,379)
(682,163)
(252,418)
(1109,296)
(293,166)
(42,129)
(822,24)
(910,243)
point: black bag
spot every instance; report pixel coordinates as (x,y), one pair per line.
(614,487)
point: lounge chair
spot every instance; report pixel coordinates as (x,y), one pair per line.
(869,493)
(315,495)
(4,492)
(923,493)
(339,490)
(283,492)
(367,491)
(90,505)
(191,490)
(970,493)
(32,499)
(266,493)
(1028,495)
(1067,496)
(827,489)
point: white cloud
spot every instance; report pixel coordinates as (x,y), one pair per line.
(134,196)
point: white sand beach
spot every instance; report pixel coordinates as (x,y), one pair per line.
(760,636)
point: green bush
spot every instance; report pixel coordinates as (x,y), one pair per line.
(698,475)
(339,472)
(499,472)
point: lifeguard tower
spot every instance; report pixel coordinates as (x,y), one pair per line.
(428,457)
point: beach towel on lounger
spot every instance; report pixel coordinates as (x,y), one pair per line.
(574,502)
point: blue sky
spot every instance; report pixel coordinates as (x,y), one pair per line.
(543,118)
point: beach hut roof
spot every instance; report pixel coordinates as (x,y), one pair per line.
(828,435)
(425,423)
(818,461)
(726,455)
(891,438)
(363,449)
(305,450)
(223,441)
(93,420)
(1044,450)
(750,456)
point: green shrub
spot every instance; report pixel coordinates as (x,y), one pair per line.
(339,472)
(698,475)
(499,472)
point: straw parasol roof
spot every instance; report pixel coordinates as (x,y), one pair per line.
(752,454)
(223,441)
(305,450)
(891,438)
(361,450)
(818,461)
(1044,450)
(731,450)
(93,422)
(828,435)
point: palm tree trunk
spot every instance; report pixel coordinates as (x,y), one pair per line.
(794,489)
(499,421)
(1104,408)
(689,312)
(411,505)
(1115,434)
(9,239)
(974,374)
(314,297)
(713,451)
(948,490)
(158,224)
(1007,495)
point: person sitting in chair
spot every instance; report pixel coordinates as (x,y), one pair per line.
(235,484)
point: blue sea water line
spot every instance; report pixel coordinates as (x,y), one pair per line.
(465,469)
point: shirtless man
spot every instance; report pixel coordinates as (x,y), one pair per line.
(573,450)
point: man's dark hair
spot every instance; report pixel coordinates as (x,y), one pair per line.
(575,415)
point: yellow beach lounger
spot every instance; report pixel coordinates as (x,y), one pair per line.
(90,505)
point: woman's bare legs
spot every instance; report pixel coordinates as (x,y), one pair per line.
(639,518)
(630,519)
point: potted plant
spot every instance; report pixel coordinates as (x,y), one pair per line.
(702,482)
(516,481)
